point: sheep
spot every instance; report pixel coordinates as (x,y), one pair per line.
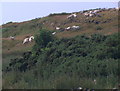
(80,88)
(69,16)
(26,40)
(114,89)
(53,33)
(57,28)
(96,11)
(31,38)
(68,28)
(76,27)
(91,15)
(12,38)
(72,15)
(90,12)
(86,14)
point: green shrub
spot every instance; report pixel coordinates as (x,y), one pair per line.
(42,39)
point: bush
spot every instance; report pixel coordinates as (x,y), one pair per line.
(9,22)
(42,39)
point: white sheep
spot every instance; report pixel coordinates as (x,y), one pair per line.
(115,89)
(26,40)
(96,11)
(12,38)
(91,15)
(80,88)
(90,12)
(86,14)
(72,15)
(75,27)
(31,38)
(53,33)
(67,28)
(57,28)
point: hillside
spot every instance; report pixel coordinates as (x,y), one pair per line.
(106,23)
(70,58)
(107,17)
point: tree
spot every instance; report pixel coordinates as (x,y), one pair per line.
(42,39)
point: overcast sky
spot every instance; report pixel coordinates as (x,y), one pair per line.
(23,11)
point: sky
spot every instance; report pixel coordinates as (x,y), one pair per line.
(23,11)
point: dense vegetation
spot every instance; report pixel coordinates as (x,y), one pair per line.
(66,63)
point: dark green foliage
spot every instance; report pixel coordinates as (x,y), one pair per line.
(66,63)
(42,39)
(98,38)
(4,30)
(9,22)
